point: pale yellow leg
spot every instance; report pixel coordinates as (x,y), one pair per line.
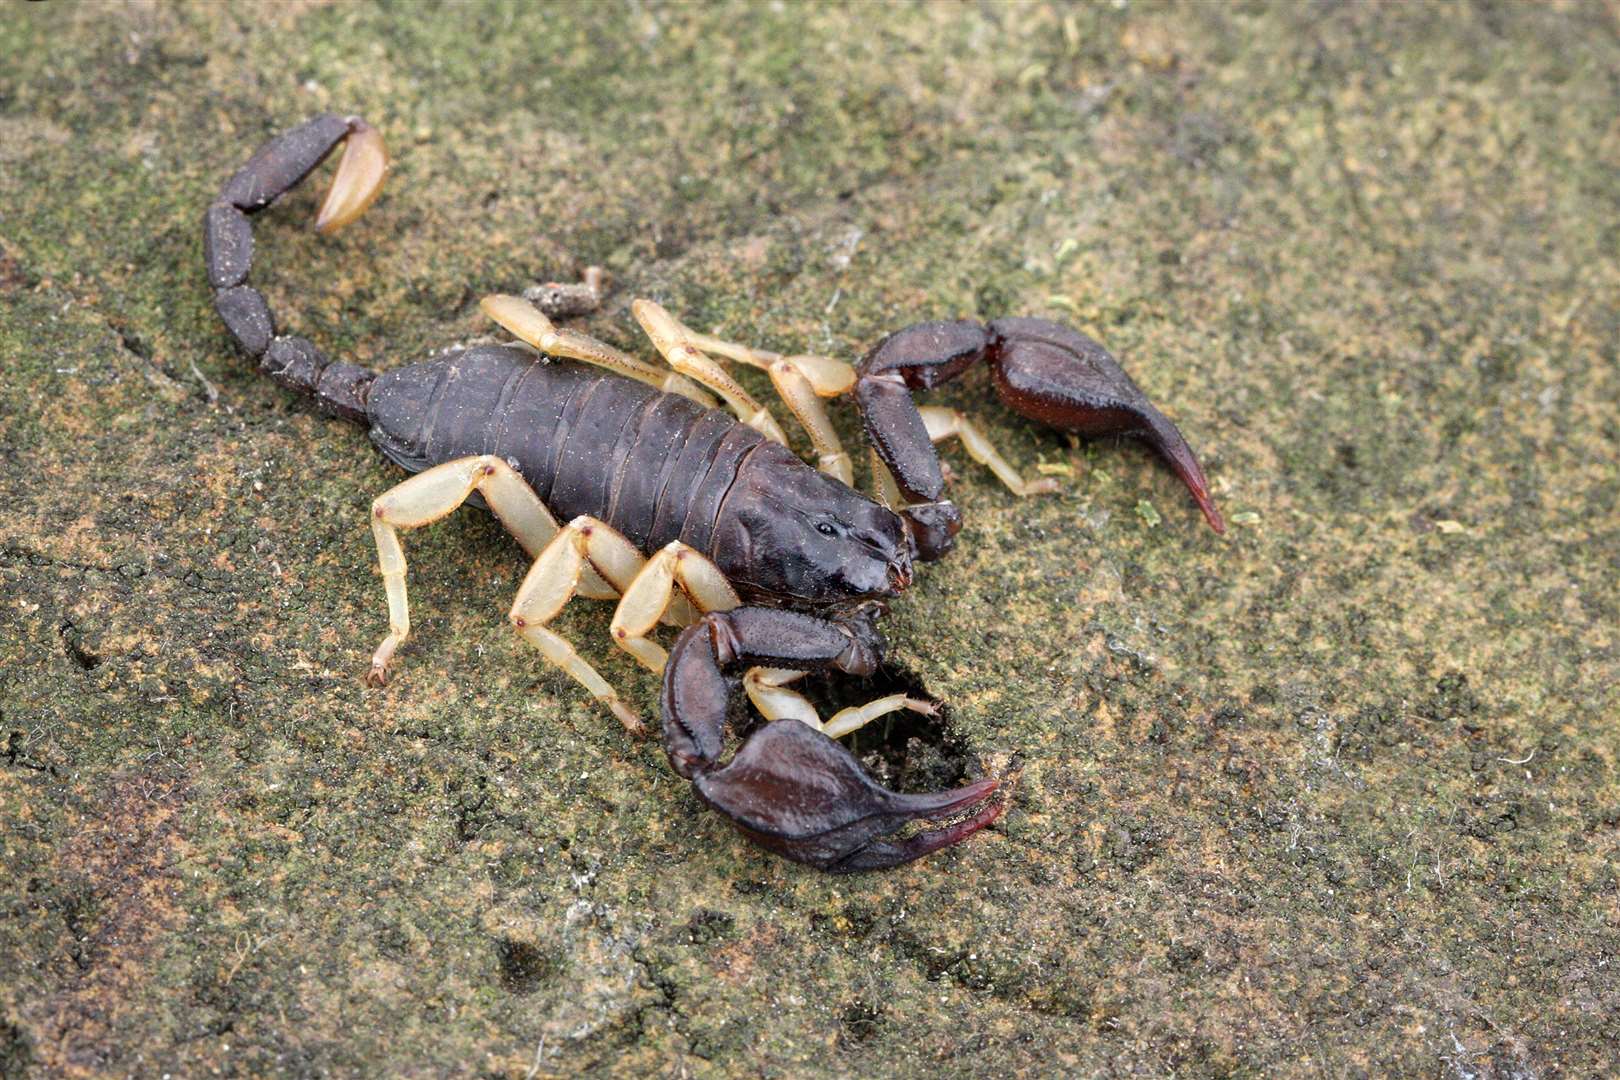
(944,423)
(583,544)
(768,689)
(884,488)
(431,495)
(528,323)
(855,717)
(675,342)
(800,380)
(802,397)
(653,596)
(827,377)
(679,572)
(679,566)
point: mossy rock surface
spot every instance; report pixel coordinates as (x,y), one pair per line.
(1333,795)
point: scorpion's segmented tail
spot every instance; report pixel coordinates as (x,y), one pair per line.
(278,166)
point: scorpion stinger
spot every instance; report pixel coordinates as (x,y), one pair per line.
(789,787)
(276,168)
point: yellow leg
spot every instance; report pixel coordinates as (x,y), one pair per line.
(652,596)
(884,489)
(528,323)
(583,544)
(942,424)
(431,495)
(675,342)
(804,398)
(768,689)
(648,599)
(800,380)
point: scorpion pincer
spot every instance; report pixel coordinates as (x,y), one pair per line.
(773,567)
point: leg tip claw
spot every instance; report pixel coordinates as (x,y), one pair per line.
(377,674)
(627,716)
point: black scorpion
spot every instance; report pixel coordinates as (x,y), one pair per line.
(772,566)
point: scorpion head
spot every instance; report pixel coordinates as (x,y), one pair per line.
(787,532)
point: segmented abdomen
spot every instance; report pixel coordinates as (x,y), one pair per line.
(655,466)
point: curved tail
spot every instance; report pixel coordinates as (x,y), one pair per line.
(277,167)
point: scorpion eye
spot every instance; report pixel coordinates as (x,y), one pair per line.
(825,529)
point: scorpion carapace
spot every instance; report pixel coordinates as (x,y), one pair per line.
(774,568)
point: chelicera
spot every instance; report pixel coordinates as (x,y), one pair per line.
(686,513)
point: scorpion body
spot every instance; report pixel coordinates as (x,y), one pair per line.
(656,467)
(773,567)
(650,464)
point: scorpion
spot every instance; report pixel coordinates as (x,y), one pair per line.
(685,513)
